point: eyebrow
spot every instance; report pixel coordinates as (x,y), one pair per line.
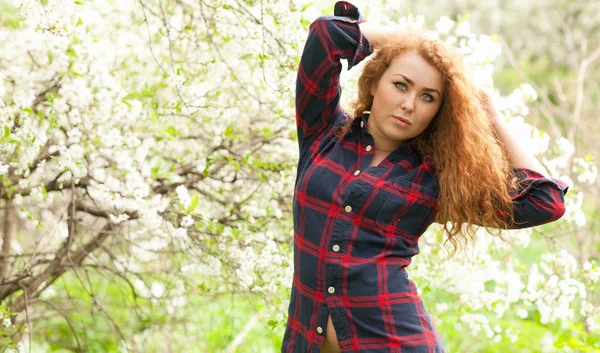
(412,83)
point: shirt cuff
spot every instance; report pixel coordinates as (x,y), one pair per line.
(531,178)
(346,9)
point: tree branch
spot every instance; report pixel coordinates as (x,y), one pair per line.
(53,185)
(8,235)
(56,268)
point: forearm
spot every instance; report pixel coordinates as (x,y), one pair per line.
(518,155)
(374,32)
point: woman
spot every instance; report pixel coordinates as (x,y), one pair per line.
(423,145)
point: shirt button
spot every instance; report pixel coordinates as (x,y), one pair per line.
(362,123)
(357,172)
(331,290)
(336,248)
(348,208)
(319,329)
(368,148)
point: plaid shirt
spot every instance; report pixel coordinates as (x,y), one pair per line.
(356,226)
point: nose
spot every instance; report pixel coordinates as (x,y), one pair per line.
(408,104)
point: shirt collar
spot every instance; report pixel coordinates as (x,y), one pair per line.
(408,146)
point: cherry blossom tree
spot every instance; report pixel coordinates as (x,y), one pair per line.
(152,144)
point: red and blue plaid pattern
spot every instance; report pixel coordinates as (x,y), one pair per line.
(356,226)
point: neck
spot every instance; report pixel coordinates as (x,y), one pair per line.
(378,150)
(381,143)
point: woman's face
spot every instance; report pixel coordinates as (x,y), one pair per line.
(410,89)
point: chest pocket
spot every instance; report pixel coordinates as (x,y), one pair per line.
(406,208)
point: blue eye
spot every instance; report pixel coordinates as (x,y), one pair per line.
(429,97)
(426,97)
(403,87)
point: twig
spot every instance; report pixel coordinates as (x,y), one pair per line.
(239,339)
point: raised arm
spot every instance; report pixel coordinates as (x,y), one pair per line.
(318,90)
(541,199)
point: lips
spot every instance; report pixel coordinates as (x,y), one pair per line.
(402,119)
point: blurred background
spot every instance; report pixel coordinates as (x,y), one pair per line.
(147,166)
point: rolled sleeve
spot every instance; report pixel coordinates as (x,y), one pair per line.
(318,90)
(539,200)
(350,12)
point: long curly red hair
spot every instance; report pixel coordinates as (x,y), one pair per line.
(474,172)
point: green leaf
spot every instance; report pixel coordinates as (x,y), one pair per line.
(171,130)
(244,57)
(229,131)
(589,157)
(28,110)
(70,52)
(79,22)
(263,57)
(154,116)
(78,2)
(193,203)
(6,132)
(177,107)
(50,97)
(439,237)
(306,6)
(263,176)
(490,286)
(202,287)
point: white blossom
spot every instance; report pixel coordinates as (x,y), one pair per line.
(463,29)
(444,25)
(157,289)
(187,221)
(183,195)
(119,218)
